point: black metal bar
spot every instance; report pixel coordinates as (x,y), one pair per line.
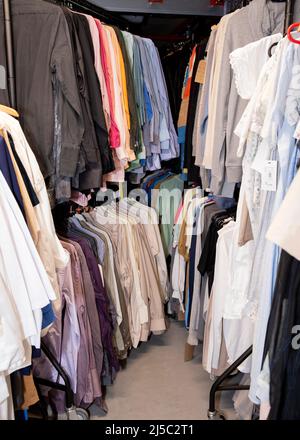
(289,14)
(233,387)
(216,385)
(62,373)
(42,404)
(11,79)
(95,10)
(50,383)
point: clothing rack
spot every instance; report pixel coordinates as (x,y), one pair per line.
(100,12)
(212,413)
(73,413)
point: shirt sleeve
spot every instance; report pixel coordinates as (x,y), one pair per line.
(221,115)
(285,228)
(72,128)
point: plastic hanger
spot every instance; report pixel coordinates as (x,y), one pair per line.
(289,32)
(270,53)
(10,111)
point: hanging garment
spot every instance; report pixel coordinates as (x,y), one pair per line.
(93,90)
(31,286)
(284,228)
(282,355)
(48,245)
(48,30)
(246,25)
(189,163)
(203,103)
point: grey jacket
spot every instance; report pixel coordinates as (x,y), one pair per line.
(257,20)
(43,53)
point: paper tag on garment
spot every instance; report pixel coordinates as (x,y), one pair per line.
(269,176)
(200,75)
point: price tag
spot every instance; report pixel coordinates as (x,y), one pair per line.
(269,176)
(200,75)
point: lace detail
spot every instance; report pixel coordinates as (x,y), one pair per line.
(240,79)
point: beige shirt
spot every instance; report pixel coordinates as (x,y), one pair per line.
(149,219)
(129,274)
(216,73)
(146,251)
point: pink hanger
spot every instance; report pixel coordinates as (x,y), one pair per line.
(289,32)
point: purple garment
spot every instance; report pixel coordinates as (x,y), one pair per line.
(88,385)
(63,339)
(91,307)
(102,303)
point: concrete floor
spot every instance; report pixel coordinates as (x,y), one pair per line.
(158,385)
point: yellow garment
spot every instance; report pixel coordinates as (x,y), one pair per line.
(123,88)
(182,249)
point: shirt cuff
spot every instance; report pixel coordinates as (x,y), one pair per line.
(157,325)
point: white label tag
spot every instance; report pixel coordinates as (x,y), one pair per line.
(269,176)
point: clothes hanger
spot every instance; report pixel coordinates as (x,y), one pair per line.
(10,111)
(289,32)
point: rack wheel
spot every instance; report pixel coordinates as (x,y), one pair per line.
(215,415)
(82,414)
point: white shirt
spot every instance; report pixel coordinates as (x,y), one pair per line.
(49,247)
(285,228)
(21,266)
(247,63)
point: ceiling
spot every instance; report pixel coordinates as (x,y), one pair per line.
(177,7)
(168,24)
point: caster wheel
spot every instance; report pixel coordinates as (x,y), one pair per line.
(216,415)
(82,414)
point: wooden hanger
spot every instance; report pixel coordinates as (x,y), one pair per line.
(10,111)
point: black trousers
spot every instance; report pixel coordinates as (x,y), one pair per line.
(281,342)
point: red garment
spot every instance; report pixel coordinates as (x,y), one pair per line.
(114,133)
(187,90)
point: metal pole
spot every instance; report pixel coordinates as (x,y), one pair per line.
(11,79)
(289,14)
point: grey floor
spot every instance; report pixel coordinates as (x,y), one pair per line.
(158,385)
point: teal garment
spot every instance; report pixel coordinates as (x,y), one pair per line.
(170,195)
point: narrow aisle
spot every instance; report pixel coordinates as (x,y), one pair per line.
(158,384)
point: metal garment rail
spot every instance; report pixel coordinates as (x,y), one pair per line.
(11,78)
(212,413)
(66,387)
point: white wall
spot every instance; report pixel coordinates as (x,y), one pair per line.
(186,7)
